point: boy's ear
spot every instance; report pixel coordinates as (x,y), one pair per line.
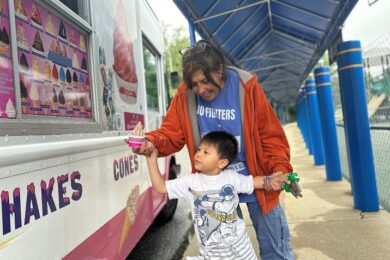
(222,163)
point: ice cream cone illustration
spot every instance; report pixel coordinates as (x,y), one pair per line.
(4,41)
(68,76)
(54,74)
(54,100)
(124,62)
(45,97)
(130,215)
(62,76)
(36,68)
(75,80)
(61,100)
(69,102)
(10,109)
(34,95)
(82,105)
(23,97)
(50,26)
(47,71)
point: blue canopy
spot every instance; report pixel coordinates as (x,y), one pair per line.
(279,40)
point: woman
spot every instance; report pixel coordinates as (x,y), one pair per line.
(215,97)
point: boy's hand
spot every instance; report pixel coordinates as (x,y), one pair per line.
(276,181)
(153,154)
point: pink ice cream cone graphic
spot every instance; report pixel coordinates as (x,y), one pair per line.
(124,64)
(130,215)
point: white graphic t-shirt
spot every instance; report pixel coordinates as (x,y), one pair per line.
(214,200)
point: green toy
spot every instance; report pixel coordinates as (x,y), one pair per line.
(293,187)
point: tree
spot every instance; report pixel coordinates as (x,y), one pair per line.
(175,39)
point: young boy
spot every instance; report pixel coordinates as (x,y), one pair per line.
(213,196)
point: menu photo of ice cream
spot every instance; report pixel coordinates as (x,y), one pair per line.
(4,37)
(33,94)
(20,10)
(8,110)
(61,102)
(7,93)
(5,50)
(45,96)
(37,46)
(24,95)
(53,64)
(21,36)
(4,7)
(36,20)
(124,63)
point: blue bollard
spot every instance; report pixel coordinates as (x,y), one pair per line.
(328,125)
(302,116)
(281,114)
(315,128)
(354,103)
(308,124)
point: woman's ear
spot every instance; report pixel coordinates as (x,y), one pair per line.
(222,163)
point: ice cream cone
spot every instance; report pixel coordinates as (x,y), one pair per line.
(35,103)
(24,105)
(69,106)
(54,105)
(45,106)
(125,229)
(62,111)
(129,216)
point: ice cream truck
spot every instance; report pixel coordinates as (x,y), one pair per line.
(76,77)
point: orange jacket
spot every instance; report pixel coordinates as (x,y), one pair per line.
(266,146)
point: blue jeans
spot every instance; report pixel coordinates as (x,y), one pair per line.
(271,231)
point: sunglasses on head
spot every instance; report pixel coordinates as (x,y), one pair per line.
(197,48)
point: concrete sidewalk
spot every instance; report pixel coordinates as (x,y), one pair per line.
(323,224)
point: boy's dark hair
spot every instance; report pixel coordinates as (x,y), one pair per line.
(202,56)
(225,143)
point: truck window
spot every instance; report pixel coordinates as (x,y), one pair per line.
(79,7)
(49,79)
(152,91)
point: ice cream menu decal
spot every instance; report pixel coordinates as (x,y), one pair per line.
(124,63)
(52,55)
(7,95)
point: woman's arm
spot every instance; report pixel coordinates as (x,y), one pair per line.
(273,139)
(158,182)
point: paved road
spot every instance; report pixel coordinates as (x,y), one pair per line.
(167,242)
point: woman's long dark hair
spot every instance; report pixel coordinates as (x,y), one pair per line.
(205,58)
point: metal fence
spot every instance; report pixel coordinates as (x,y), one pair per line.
(377,75)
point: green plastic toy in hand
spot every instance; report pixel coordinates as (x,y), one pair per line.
(293,187)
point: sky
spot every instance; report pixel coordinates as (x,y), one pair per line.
(365,23)
(167,12)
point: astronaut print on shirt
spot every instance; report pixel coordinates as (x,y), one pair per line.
(215,215)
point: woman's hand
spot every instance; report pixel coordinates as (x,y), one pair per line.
(275,181)
(146,148)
